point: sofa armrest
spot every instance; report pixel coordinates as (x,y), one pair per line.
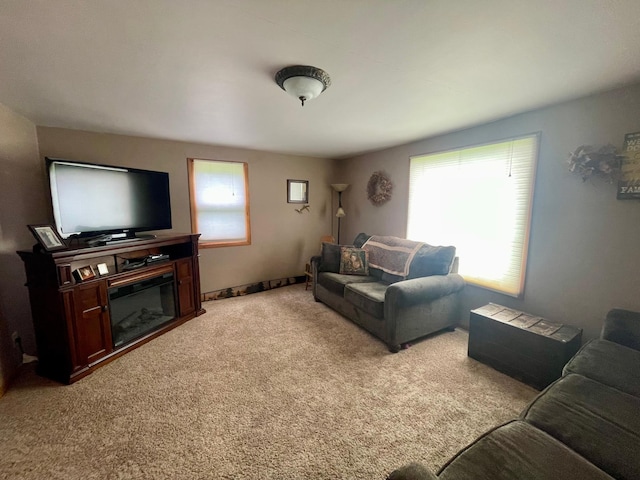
(412,471)
(623,327)
(423,289)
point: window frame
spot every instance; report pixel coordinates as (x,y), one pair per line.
(490,283)
(208,243)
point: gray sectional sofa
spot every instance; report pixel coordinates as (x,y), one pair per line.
(396,308)
(584,426)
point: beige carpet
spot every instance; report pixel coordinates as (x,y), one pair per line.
(267,386)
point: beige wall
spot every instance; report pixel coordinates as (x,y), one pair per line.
(583,256)
(22,202)
(282,239)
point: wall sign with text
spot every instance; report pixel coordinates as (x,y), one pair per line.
(629,183)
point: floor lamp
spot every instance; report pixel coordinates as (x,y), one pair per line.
(339,187)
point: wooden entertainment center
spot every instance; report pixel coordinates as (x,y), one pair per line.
(75,320)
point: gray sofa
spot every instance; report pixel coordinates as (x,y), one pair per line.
(395,308)
(586,425)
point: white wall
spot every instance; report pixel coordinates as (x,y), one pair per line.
(583,255)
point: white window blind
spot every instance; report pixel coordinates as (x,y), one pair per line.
(479,200)
(220,202)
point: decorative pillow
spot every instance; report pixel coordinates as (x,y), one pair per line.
(430,260)
(330,258)
(354,261)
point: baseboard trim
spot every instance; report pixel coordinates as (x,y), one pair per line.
(250,288)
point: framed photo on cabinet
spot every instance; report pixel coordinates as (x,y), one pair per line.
(85,273)
(47,237)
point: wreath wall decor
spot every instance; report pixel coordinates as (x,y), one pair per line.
(379,188)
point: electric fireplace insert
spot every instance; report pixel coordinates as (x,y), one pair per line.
(141,307)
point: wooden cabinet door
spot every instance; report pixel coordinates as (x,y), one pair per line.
(92,327)
(186,295)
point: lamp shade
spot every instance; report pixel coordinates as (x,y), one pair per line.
(339,187)
(303,81)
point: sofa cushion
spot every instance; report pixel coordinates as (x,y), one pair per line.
(391,254)
(600,423)
(608,363)
(623,327)
(430,260)
(329,257)
(367,296)
(412,471)
(335,282)
(360,240)
(520,451)
(354,261)
(390,277)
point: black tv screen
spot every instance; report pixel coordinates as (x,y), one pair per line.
(90,199)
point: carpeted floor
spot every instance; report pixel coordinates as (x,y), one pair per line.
(267,386)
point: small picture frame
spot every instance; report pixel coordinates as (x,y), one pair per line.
(102,269)
(48,238)
(85,273)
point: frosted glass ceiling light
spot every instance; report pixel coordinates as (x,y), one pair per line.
(303,81)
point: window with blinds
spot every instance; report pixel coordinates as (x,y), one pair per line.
(219,195)
(478,199)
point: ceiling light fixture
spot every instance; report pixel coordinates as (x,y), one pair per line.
(303,81)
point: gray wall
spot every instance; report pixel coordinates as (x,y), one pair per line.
(583,252)
(22,202)
(583,258)
(282,240)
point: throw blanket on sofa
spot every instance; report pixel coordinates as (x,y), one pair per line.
(391,254)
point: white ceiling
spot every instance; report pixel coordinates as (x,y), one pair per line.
(202,70)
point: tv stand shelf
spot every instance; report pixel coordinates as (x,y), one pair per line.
(73,323)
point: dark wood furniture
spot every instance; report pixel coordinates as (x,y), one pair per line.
(72,318)
(523,346)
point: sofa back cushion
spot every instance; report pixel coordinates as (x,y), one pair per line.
(391,254)
(430,260)
(623,327)
(360,239)
(329,258)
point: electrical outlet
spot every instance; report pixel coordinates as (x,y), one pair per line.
(15,338)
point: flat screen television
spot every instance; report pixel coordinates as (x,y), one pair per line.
(91,200)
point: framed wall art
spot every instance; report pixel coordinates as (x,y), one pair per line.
(297,191)
(629,183)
